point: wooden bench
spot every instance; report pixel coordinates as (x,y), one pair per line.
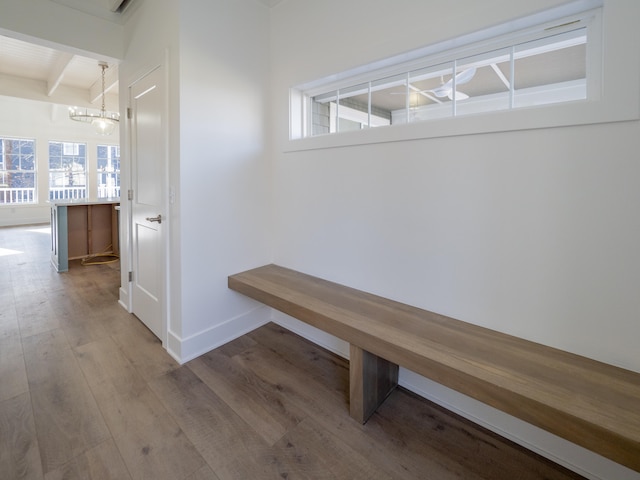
(589,403)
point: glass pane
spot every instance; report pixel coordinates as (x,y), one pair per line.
(55,156)
(321,120)
(23,180)
(108,171)
(67,177)
(27,162)
(551,70)
(428,93)
(353,107)
(57,179)
(483,82)
(55,149)
(12,161)
(389,99)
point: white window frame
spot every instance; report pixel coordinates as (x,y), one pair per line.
(113,172)
(64,191)
(600,106)
(18,195)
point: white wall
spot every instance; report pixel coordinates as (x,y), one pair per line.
(45,122)
(533,233)
(224,168)
(216,59)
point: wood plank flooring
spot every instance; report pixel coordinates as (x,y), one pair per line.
(87,392)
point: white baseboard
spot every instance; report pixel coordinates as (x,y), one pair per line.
(124,299)
(558,450)
(185,349)
(16,215)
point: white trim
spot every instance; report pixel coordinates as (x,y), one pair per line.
(188,348)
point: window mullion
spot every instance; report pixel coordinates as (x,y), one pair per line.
(369,105)
(512,75)
(454,85)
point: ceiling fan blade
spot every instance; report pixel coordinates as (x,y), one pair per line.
(442,91)
(465,76)
(459,95)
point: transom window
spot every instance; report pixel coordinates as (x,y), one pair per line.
(548,63)
(67,171)
(17,171)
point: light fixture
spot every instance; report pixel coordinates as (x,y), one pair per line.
(103,122)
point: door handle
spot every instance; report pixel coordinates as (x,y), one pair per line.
(155,219)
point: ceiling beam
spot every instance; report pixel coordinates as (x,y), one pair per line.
(57,71)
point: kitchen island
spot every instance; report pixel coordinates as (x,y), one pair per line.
(80,228)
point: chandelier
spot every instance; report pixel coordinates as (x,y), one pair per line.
(103,122)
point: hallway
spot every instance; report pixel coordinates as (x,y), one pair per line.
(87,392)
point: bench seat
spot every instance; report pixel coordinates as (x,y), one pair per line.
(587,402)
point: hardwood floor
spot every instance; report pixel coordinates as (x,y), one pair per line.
(87,392)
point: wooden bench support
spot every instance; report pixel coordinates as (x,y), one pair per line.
(371,380)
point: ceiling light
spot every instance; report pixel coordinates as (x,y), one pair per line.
(103,122)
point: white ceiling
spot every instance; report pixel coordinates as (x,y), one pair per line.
(49,71)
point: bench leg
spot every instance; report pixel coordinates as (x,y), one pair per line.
(371,380)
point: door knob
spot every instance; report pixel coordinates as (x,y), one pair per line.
(155,219)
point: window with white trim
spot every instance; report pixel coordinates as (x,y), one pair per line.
(17,171)
(67,171)
(108,171)
(548,63)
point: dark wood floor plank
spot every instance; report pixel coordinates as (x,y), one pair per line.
(247,395)
(144,351)
(328,407)
(205,473)
(141,427)
(319,363)
(147,436)
(102,361)
(102,462)
(236,346)
(224,439)
(13,375)
(318,454)
(12,372)
(66,414)
(35,315)
(459,444)
(19,452)
(9,326)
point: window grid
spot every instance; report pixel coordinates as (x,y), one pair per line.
(543,64)
(17,171)
(67,171)
(108,171)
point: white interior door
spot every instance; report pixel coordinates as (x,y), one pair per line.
(148,163)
